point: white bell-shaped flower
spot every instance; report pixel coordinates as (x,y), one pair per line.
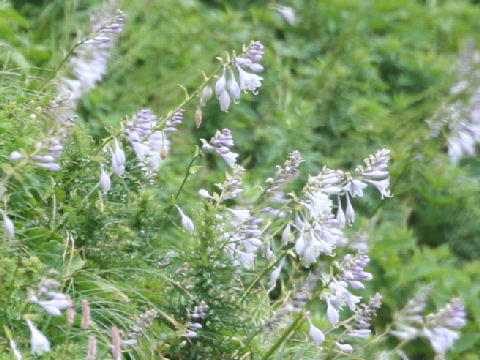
(8,225)
(105,181)
(39,343)
(187,223)
(220,84)
(317,335)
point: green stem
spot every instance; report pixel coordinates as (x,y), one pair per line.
(179,191)
(282,338)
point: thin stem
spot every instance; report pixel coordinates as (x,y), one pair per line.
(179,191)
(285,334)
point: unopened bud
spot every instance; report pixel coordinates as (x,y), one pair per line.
(164,152)
(198,116)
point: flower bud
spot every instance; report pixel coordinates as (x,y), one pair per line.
(198,116)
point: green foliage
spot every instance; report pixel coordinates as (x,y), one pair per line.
(349,78)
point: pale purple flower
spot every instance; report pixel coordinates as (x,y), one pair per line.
(187,223)
(205,194)
(224,100)
(344,347)
(221,83)
(382,186)
(118,159)
(288,14)
(207,93)
(440,327)
(8,225)
(105,181)
(249,82)
(16,155)
(221,144)
(350,213)
(355,187)
(317,335)
(407,321)
(276,272)
(233,87)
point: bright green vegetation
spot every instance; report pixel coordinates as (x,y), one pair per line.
(350,78)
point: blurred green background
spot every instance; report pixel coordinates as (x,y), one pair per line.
(348,78)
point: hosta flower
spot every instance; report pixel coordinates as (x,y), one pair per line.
(355,188)
(276,272)
(350,213)
(207,93)
(341,219)
(344,347)
(89,64)
(249,81)
(333,314)
(441,326)
(229,90)
(233,87)
(16,353)
(221,83)
(16,155)
(221,144)
(53,307)
(288,14)
(407,321)
(187,223)
(105,181)
(38,342)
(317,335)
(240,215)
(118,159)
(287,236)
(8,225)
(318,204)
(382,186)
(224,100)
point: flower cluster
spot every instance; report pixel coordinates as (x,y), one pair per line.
(57,301)
(283,176)
(221,143)
(87,67)
(199,313)
(229,189)
(150,146)
(227,88)
(245,238)
(89,64)
(440,328)
(319,230)
(462,117)
(361,326)
(143,323)
(407,322)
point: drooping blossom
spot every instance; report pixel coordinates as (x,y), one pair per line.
(221,144)
(38,342)
(187,223)
(105,181)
